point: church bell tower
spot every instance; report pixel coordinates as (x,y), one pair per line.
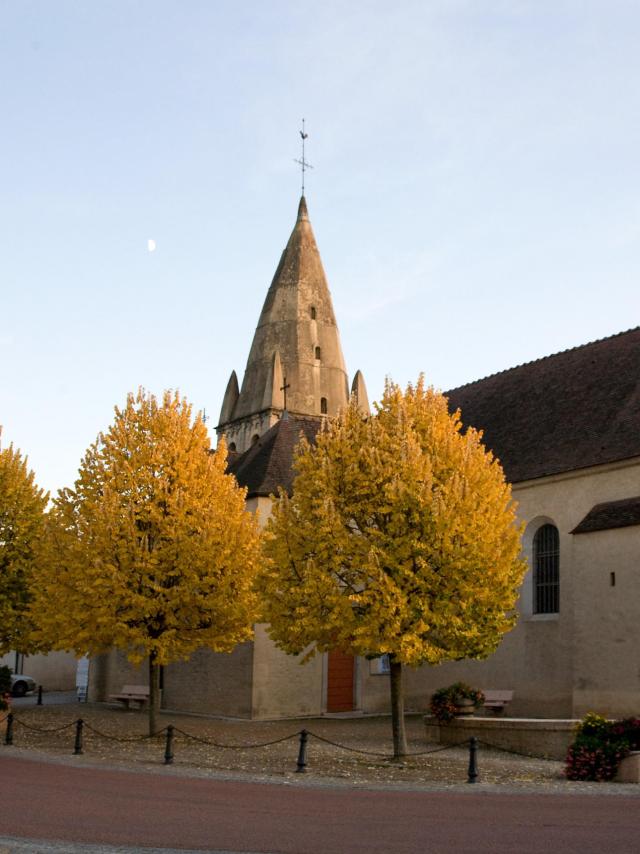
(295,363)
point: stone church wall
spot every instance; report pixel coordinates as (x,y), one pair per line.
(109,672)
(606,674)
(211,683)
(282,685)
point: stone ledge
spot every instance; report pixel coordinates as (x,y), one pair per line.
(546,738)
(629,769)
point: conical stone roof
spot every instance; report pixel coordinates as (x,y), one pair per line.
(297,328)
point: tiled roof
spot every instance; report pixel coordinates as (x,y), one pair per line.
(571,410)
(611,514)
(567,411)
(268,464)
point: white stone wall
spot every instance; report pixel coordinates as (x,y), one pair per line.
(606,643)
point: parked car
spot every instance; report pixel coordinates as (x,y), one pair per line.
(21,684)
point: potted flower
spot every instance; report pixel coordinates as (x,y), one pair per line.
(455,700)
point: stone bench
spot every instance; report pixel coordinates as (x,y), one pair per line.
(132,695)
(497,701)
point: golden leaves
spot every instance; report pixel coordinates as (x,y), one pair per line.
(400,537)
(22,506)
(152,550)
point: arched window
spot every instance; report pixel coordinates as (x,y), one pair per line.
(254,439)
(546,570)
(323,405)
(313,312)
(232,446)
(317,352)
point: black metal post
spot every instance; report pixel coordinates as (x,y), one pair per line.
(77,748)
(39,703)
(8,736)
(168,748)
(473,759)
(302,752)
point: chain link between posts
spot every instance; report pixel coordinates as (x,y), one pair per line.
(22,723)
(383,755)
(169,731)
(124,739)
(211,743)
(221,746)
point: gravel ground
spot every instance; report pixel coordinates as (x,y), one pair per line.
(217,747)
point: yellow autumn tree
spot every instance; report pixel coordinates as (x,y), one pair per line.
(152,551)
(400,538)
(22,506)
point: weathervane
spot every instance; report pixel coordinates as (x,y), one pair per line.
(302,162)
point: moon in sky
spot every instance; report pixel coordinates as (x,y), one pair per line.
(151,245)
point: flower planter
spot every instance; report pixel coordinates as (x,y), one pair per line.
(456,701)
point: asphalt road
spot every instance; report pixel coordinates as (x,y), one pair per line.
(103,807)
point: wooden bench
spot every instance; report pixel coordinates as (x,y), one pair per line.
(496,701)
(132,695)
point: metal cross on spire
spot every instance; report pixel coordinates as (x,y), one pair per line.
(284,388)
(302,162)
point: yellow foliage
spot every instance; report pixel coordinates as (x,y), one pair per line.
(152,551)
(22,506)
(400,538)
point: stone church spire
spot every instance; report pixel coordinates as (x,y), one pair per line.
(296,345)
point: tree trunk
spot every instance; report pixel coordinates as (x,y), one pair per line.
(154,693)
(397,708)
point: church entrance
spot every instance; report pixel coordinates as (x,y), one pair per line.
(340,682)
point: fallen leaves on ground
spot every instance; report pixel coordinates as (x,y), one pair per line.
(118,737)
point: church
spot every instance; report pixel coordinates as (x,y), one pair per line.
(566,429)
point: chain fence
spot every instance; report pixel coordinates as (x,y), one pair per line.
(210,743)
(303,737)
(129,739)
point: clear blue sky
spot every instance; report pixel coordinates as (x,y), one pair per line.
(475,196)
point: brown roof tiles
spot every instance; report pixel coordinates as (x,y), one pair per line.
(568,411)
(268,464)
(611,514)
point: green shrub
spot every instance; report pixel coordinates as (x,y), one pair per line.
(595,726)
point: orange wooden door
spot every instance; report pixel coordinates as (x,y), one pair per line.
(340,672)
